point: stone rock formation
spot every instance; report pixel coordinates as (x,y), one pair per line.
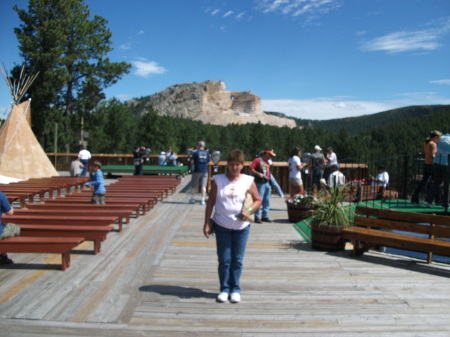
(210,103)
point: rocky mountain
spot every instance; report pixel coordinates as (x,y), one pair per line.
(209,102)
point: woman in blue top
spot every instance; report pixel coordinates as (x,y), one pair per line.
(99,184)
(7,230)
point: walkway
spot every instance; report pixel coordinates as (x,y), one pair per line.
(158,278)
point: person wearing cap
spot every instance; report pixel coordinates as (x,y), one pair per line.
(331,160)
(336,178)
(260,169)
(200,160)
(429,149)
(162,159)
(316,167)
(98,197)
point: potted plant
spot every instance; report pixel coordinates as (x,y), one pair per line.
(329,217)
(299,207)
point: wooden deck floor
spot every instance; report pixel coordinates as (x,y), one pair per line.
(158,278)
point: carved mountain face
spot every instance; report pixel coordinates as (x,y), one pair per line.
(210,103)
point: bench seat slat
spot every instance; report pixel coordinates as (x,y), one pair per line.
(402,241)
(403,226)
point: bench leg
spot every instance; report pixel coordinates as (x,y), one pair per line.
(65,257)
(97,246)
(359,249)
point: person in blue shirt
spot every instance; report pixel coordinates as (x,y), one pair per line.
(7,230)
(162,159)
(99,184)
(200,160)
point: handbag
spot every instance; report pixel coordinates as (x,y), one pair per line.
(248,202)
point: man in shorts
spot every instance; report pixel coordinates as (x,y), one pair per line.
(200,160)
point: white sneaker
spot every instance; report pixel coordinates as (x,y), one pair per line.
(202,202)
(235,298)
(192,200)
(222,297)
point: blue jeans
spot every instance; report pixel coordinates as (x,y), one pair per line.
(265,191)
(85,162)
(230,252)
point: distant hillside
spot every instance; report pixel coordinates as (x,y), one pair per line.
(355,125)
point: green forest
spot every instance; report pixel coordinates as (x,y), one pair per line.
(114,129)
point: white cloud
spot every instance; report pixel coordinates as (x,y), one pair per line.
(420,40)
(125,46)
(441,82)
(240,16)
(123,97)
(216,11)
(146,68)
(298,7)
(403,41)
(227,14)
(324,108)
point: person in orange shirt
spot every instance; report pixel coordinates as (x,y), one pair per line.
(429,149)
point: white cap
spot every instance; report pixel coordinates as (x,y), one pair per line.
(162,152)
(317,148)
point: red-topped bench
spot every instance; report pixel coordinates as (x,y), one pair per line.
(97,234)
(46,245)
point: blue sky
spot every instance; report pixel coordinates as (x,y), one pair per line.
(311,59)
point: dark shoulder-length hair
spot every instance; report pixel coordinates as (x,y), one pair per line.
(295,151)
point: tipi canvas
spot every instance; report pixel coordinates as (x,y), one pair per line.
(21,155)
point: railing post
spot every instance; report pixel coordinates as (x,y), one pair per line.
(404,194)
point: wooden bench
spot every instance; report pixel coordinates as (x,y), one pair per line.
(121,215)
(43,245)
(141,204)
(97,234)
(59,204)
(62,220)
(126,194)
(156,170)
(123,188)
(418,231)
(146,203)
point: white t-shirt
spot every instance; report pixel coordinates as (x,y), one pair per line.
(293,162)
(383,177)
(229,200)
(84,154)
(332,159)
(336,178)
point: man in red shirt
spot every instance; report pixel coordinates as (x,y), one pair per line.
(260,169)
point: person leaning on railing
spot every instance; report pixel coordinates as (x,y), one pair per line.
(440,172)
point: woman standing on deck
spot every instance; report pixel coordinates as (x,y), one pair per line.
(231,222)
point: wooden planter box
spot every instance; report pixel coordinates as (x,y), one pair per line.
(327,238)
(298,213)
